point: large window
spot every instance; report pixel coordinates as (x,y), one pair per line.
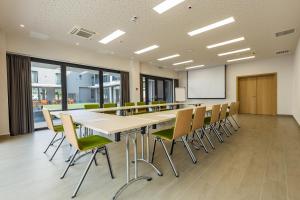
(111,87)
(82,87)
(46,91)
(156,89)
(62,86)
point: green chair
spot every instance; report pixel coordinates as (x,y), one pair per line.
(93,143)
(130,110)
(181,130)
(141,110)
(91,106)
(154,108)
(162,108)
(110,105)
(56,129)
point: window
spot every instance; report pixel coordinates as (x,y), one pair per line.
(58,78)
(46,92)
(111,87)
(82,87)
(34,76)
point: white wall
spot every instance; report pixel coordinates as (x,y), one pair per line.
(283,65)
(296,88)
(4,124)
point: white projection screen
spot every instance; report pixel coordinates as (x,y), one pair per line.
(207,83)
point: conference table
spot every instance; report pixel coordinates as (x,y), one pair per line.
(129,126)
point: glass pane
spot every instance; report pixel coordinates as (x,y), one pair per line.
(46,90)
(111,87)
(144,89)
(151,90)
(169,90)
(160,90)
(82,87)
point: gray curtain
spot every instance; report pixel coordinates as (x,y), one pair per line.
(125,93)
(19,94)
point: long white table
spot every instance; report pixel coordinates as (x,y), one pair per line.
(129,126)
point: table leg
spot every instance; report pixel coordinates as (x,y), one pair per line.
(129,181)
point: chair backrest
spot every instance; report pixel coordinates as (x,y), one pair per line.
(48,119)
(69,130)
(109,105)
(232,108)
(141,109)
(129,104)
(183,123)
(155,102)
(223,111)
(198,120)
(91,106)
(215,113)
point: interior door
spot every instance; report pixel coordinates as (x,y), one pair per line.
(266,95)
(247,95)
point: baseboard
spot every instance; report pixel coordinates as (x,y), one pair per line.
(295,120)
(3,134)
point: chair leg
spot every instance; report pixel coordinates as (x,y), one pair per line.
(225,131)
(57,148)
(207,137)
(217,134)
(95,159)
(84,174)
(201,141)
(50,142)
(231,124)
(191,154)
(235,122)
(172,147)
(225,126)
(108,162)
(169,157)
(69,164)
(153,151)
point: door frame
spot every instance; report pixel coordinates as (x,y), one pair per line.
(257,75)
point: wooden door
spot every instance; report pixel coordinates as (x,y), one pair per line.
(266,95)
(247,95)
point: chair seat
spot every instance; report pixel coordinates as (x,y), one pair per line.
(207,120)
(60,128)
(165,134)
(90,142)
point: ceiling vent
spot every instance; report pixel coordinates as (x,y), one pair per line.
(82,32)
(286,32)
(282,52)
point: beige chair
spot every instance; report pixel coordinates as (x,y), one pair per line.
(236,111)
(181,129)
(198,127)
(222,118)
(56,129)
(212,121)
(92,143)
(230,113)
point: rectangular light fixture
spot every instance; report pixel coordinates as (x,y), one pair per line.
(212,26)
(233,52)
(168,57)
(184,62)
(238,59)
(226,42)
(194,67)
(166,5)
(146,49)
(112,36)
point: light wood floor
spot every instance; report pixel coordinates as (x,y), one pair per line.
(261,161)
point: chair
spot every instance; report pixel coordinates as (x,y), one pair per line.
(130,110)
(110,105)
(91,106)
(93,143)
(162,108)
(56,129)
(198,127)
(222,118)
(153,109)
(141,110)
(181,130)
(233,110)
(212,121)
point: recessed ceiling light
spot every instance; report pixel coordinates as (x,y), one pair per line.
(233,52)
(194,67)
(112,36)
(212,26)
(184,62)
(22,25)
(146,49)
(77,44)
(168,57)
(226,42)
(238,59)
(166,5)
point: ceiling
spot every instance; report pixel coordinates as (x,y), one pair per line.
(256,20)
